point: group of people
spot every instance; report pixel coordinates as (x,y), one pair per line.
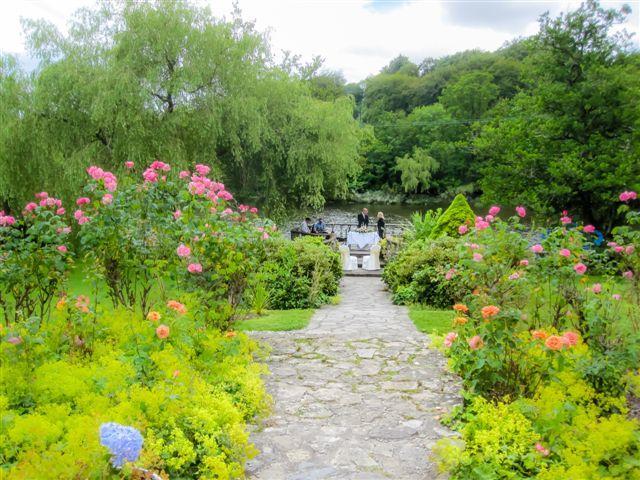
(307,226)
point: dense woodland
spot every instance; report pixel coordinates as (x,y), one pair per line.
(551,120)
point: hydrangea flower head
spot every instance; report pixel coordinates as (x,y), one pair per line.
(124,443)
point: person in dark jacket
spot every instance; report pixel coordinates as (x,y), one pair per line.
(363,218)
(381,224)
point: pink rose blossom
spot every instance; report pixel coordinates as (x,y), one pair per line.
(30,207)
(618,248)
(265,236)
(626,196)
(194,268)
(537,248)
(489,218)
(61,248)
(477,257)
(580,268)
(565,220)
(227,211)
(60,211)
(475,342)
(629,249)
(223,194)
(611,244)
(203,170)
(64,230)
(565,252)
(628,274)
(83,220)
(616,296)
(158,165)
(150,175)
(521,211)
(177,214)
(41,195)
(183,250)
(571,338)
(107,199)
(129,165)
(597,288)
(6,220)
(253,210)
(450,274)
(589,229)
(524,262)
(462,229)
(77,214)
(184,174)
(494,210)
(83,201)
(542,450)
(449,339)
(514,276)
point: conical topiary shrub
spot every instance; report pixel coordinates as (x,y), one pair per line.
(458,213)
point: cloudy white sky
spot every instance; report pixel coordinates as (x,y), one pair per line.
(357,37)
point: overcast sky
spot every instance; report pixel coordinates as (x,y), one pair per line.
(357,37)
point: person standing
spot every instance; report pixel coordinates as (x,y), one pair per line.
(319,227)
(363,218)
(381,224)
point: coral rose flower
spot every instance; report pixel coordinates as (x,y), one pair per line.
(460,320)
(230,334)
(154,316)
(539,334)
(162,332)
(554,342)
(475,342)
(194,268)
(489,311)
(565,252)
(177,307)
(571,338)
(449,339)
(459,307)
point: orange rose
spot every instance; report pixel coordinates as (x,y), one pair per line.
(489,311)
(177,307)
(459,307)
(554,342)
(230,334)
(162,332)
(539,334)
(154,316)
(460,320)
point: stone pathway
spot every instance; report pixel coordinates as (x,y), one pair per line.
(357,394)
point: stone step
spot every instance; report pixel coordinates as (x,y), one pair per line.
(363,273)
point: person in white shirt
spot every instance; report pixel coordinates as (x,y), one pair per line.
(304,226)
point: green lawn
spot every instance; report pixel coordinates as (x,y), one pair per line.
(277,320)
(428,320)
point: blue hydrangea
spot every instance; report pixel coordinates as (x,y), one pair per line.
(125,443)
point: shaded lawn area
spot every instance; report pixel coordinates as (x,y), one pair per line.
(428,320)
(277,320)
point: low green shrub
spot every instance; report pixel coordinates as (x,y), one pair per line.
(304,273)
(418,274)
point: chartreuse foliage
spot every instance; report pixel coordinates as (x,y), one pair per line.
(190,395)
(458,213)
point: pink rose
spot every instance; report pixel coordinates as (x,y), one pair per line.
(253,210)
(107,199)
(6,220)
(265,236)
(565,252)
(618,249)
(565,220)
(521,211)
(626,196)
(589,229)
(83,201)
(477,257)
(184,174)
(177,214)
(449,339)
(514,276)
(489,218)
(597,288)
(542,450)
(616,296)
(450,274)
(30,207)
(129,165)
(524,262)
(580,268)
(494,210)
(227,211)
(150,175)
(628,274)
(537,248)
(475,342)
(183,250)
(77,214)
(60,211)
(611,244)
(42,195)
(462,229)
(571,338)
(83,220)
(629,249)
(203,170)
(194,268)
(61,249)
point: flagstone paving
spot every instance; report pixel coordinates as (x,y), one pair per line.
(357,394)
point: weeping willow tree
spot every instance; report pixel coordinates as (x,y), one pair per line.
(167,79)
(416,170)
